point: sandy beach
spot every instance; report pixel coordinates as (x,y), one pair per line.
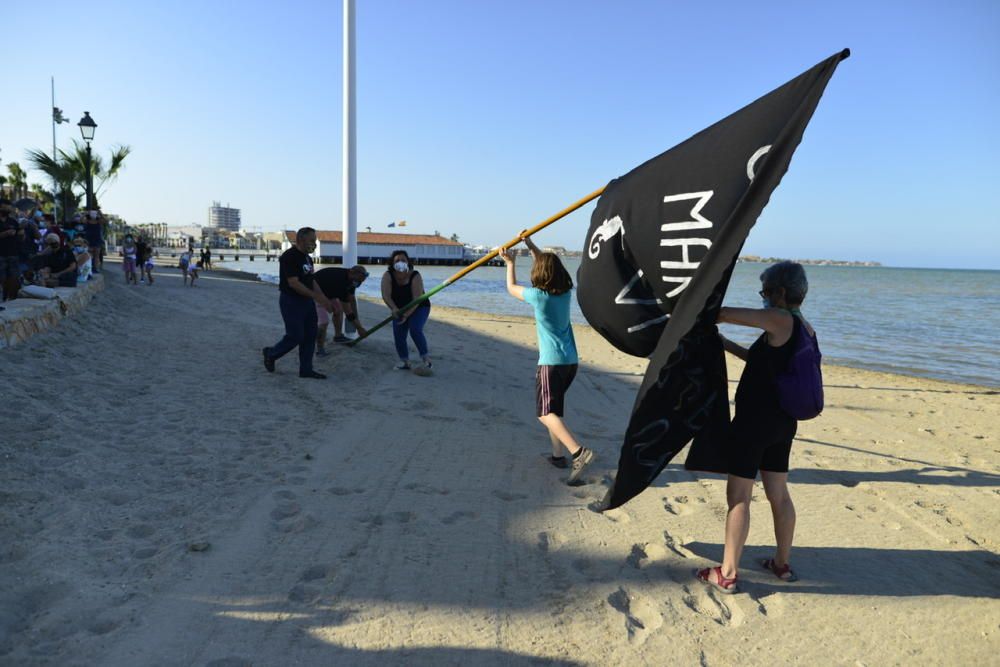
(165,501)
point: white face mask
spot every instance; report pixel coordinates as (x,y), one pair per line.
(765,303)
(402,267)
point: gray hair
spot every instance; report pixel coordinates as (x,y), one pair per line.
(791,277)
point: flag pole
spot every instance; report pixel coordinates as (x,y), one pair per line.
(55,156)
(483,260)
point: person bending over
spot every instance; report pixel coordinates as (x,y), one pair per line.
(339,285)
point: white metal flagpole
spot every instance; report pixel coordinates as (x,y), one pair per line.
(350,221)
(55,157)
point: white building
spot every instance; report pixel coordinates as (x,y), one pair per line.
(375,247)
(178,236)
(224,217)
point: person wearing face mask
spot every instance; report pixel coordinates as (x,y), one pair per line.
(298,291)
(761,433)
(338,284)
(401,284)
(84,262)
(59,267)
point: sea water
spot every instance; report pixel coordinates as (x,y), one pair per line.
(937,323)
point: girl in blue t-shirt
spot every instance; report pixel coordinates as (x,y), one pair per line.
(550,295)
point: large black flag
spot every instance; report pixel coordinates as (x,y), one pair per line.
(660,249)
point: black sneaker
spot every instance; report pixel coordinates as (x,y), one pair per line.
(557,461)
(341,338)
(313,374)
(268,361)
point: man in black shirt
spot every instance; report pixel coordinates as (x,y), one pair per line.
(338,284)
(298,292)
(60,263)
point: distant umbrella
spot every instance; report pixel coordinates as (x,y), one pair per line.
(26,204)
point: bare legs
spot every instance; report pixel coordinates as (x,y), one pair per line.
(783,511)
(559,435)
(738,493)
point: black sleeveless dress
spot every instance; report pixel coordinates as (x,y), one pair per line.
(761,434)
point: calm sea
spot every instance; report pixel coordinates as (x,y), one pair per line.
(937,323)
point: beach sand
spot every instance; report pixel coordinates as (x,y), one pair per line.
(165,501)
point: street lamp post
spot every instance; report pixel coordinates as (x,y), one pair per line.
(87,127)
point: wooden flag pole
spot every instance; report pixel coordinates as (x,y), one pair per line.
(483,260)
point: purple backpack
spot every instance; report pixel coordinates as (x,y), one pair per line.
(800,386)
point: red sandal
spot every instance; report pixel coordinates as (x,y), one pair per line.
(784,572)
(723,585)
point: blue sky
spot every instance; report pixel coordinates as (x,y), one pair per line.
(482,118)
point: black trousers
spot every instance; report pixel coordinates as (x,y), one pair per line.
(299,314)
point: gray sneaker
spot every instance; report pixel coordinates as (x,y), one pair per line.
(579,463)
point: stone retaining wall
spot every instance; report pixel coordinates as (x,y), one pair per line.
(23,318)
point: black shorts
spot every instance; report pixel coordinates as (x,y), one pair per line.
(551,384)
(760,442)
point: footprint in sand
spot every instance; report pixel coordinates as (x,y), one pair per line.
(641,615)
(343,491)
(507,496)
(140,531)
(707,603)
(285,510)
(644,555)
(617,515)
(316,572)
(677,546)
(426,489)
(455,517)
(550,541)
(678,507)
(284,494)
(297,524)
(473,406)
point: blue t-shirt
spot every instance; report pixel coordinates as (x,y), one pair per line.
(556,346)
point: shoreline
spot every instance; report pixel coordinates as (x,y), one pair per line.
(987,389)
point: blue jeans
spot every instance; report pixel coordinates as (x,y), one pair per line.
(414,325)
(299,314)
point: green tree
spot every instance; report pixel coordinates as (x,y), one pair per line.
(454,237)
(69,170)
(62,172)
(18,180)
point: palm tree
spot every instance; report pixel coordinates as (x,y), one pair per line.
(70,170)
(63,173)
(39,193)
(18,180)
(102,175)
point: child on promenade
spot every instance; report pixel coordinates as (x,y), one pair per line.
(192,272)
(129,258)
(147,266)
(550,295)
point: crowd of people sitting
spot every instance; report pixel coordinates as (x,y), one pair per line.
(36,250)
